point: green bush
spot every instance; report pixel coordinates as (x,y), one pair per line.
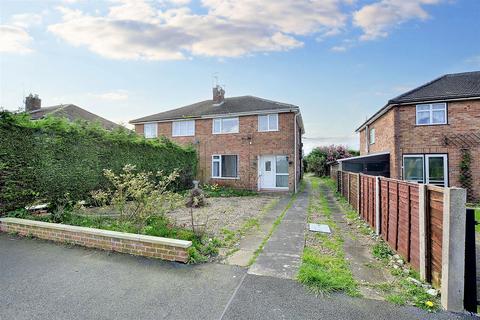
(215,190)
(52,159)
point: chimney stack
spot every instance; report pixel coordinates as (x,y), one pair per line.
(32,103)
(218,95)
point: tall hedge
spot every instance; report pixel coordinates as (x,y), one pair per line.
(51,159)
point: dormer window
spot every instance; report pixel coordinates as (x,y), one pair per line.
(430,114)
(268,122)
(150,130)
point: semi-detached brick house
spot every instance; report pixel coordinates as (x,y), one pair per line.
(424,134)
(244,142)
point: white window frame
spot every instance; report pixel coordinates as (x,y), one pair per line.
(183,135)
(425,157)
(371,136)
(155,125)
(221,125)
(268,122)
(281,174)
(219,160)
(430,105)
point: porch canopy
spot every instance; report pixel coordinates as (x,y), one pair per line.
(375,164)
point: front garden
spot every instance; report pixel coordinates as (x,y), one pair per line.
(117,181)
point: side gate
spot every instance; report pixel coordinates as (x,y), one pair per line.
(471,282)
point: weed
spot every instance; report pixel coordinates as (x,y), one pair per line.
(397,299)
(381,251)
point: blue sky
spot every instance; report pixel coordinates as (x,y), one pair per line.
(339,60)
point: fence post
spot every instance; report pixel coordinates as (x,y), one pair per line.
(377,205)
(348,187)
(422,229)
(358,192)
(453,248)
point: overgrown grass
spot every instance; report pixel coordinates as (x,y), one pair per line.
(381,251)
(325,273)
(324,268)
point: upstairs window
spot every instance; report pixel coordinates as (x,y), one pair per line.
(268,122)
(372,136)
(183,128)
(225,125)
(433,113)
(224,166)
(150,130)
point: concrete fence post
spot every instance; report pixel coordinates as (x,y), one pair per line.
(377,205)
(453,248)
(422,229)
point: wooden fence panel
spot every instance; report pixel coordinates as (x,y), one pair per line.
(399,216)
(435,226)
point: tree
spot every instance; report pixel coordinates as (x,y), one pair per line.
(321,157)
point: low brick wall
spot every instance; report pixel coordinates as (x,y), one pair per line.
(135,244)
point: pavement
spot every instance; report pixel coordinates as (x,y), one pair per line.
(43,280)
(282,255)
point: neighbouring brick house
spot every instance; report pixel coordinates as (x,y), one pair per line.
(426,134)
(244,142)
(71,112)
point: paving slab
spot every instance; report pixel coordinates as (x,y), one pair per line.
(281,256)
(252,241)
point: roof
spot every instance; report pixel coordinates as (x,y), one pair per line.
(230,106)
(72,113)
(455,86)
(364,156)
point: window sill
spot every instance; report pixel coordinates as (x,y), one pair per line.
(430,124)
(225,178)
(268,130)
(183,136)
(225,132)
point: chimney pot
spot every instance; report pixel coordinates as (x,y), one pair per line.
(32,103)
(218,95)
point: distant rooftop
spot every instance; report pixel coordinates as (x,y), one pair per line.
(72,113)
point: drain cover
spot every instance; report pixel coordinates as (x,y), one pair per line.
(319,228)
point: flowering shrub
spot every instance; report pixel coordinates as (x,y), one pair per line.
(319,159)
(136,195)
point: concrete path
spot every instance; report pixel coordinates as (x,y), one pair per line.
(42,280)
(357,250)
(252,241)
(281,256)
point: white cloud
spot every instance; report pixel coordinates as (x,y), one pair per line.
(378,18)
(14,39)
(140,30)
(25,20)
(118,95)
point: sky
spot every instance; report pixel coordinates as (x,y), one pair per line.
(339,60)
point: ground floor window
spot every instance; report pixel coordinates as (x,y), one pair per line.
(224,166)
(426,168)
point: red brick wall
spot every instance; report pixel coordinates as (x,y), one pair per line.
(103,242)
(397,132)
(248,144)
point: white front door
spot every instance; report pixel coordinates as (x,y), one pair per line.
(267,172)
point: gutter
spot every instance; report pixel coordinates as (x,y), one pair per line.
(295,152)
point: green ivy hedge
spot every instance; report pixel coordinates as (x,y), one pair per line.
(52,159)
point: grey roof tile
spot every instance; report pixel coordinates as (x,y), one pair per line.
(72,113)
(449,86)
(243,104)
